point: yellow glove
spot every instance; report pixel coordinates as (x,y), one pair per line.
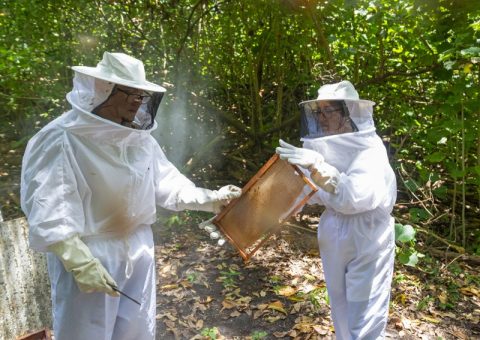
(88,272)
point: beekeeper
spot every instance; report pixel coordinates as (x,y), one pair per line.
(91,180)
(343,155)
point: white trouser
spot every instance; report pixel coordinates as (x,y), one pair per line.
(87,316)
(357,254)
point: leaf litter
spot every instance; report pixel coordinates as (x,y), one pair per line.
(205,291)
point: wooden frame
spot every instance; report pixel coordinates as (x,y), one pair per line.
(43,334)
(270,197)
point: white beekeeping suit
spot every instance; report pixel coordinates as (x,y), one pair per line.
(347,160)
(89,188)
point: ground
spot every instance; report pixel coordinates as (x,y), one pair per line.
(207,292)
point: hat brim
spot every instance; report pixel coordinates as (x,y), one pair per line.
(96,73)
(369,102)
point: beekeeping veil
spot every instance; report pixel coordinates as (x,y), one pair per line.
(92,86)
(336,110)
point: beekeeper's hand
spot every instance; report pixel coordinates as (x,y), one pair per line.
(225,195)
(212,230)
(322,174)
(89,274)
(304,158)
(194,198)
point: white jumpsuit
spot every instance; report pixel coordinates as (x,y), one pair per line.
(85,175)
(356,232)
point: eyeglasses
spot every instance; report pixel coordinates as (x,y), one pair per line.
(326,111)
(139,97)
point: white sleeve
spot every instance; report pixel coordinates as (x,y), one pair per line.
(175,191)
(364,186)
(169,182)
(316,198)
(49,194)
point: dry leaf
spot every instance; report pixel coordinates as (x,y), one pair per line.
(228,304)
(443,298)
(303,327)
(186,284)
(320,330)
(278,306)
(258,314)
(286,291)
(169,286)
(199,324)
(272,319)
(469,291)
(280,334)
(430,319)
(235,314)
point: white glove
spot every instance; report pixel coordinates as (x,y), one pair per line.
(194,198)
(322,174)
(210,228)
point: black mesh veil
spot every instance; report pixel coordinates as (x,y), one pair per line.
(320,120)
(152,108)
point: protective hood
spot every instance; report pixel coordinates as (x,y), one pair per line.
(340,150)
(353,113)
(119,68)
(89,92)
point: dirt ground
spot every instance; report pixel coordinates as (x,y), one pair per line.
(207,292)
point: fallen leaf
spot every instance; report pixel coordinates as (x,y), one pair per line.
(280,334)
(303,327)
(430,319)
(278,306)
(258,314)
(320,330)
(228,304)
(469,291)
(186,284)
(272,319)
(286,291)
(169,286)
(443,298)
(199,324)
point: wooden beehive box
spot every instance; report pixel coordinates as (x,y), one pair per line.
(270,197)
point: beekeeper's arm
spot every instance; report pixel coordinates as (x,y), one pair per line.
(322,174)
(364,188)
(51,199)
(174,191)
(88,272)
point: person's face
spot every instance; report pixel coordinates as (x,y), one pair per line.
(331,118)
(125,102)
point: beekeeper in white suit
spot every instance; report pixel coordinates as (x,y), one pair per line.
(91,180)
(347,160)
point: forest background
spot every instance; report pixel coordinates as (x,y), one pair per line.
(235,72)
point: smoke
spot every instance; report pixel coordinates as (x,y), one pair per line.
(180,133)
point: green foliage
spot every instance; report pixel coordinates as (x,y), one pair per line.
(258,335)
(405,237)
(404,233)
(424,303)
(229,278)
(210,333)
